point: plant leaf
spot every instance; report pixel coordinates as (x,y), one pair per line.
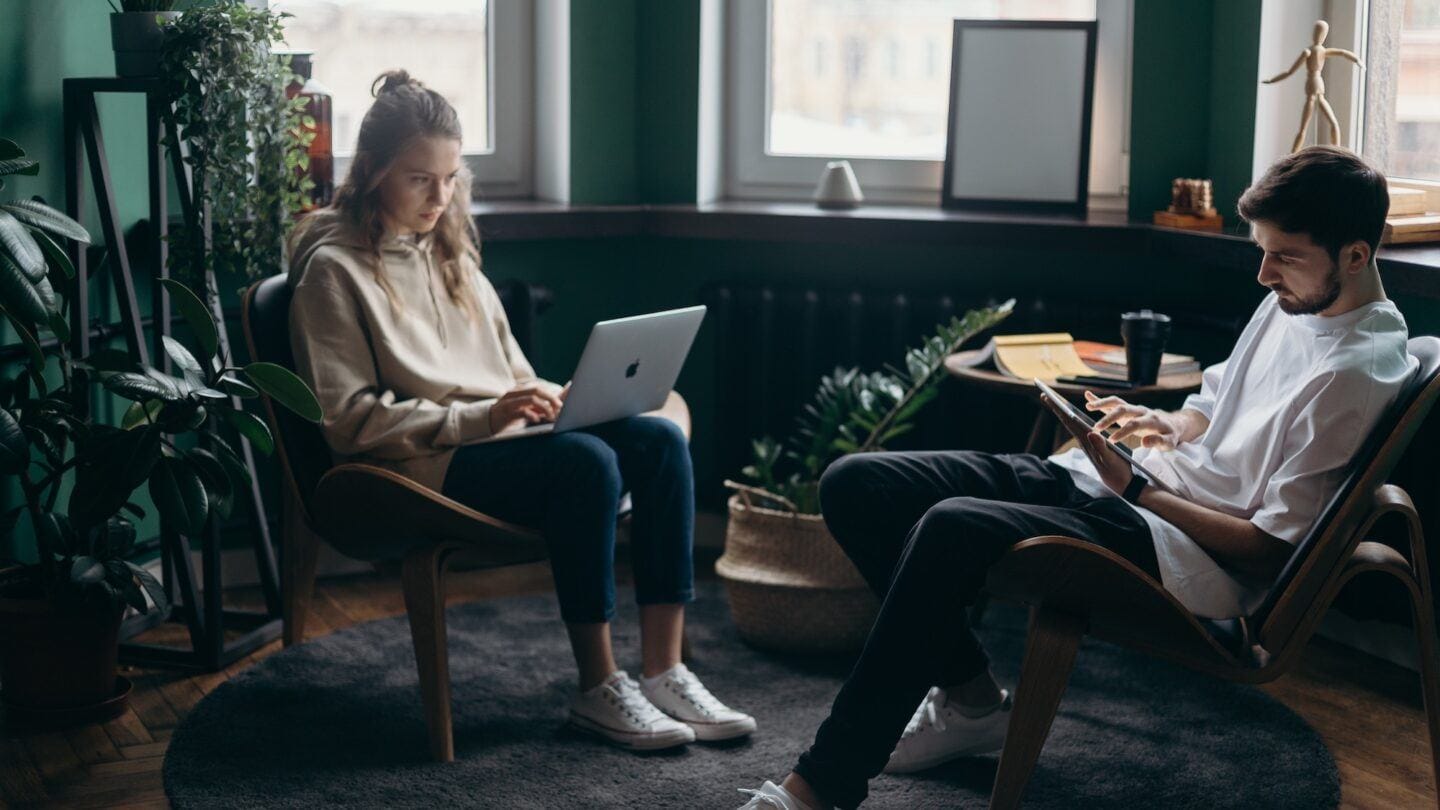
(238,472)
(58,534)
(86,570)
(196,314)
(21,246)
(182,357)
(253,428)
(20,165)
(112,464)
(217,481)
(54,254)
(114,539)
(231,384)
(18,293)
(42,216)
(141,414)
(284,387)
(14,447)
(140,387)
(152,586)
(179,495)
(32,347)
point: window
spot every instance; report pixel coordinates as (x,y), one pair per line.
(1402,107)
(474,52)
(882,101)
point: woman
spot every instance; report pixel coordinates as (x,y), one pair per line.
(408,349)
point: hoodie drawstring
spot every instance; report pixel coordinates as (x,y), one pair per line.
(434,302)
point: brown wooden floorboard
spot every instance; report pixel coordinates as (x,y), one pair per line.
(1368,711)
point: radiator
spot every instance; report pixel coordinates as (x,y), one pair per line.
(774,343)
(524,303)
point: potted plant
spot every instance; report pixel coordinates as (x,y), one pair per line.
(137,32)
(790,585)
(60,614)
(246,141)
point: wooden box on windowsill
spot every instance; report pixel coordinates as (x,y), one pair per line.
(1411,229)
(1210,221)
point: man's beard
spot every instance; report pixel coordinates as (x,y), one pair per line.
(1321,302)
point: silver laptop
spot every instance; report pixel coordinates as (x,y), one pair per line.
(628,367)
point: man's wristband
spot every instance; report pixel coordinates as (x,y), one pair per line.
(1136,486)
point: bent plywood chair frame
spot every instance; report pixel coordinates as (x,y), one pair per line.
(1076,588)
(371,513)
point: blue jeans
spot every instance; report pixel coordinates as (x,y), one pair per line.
(568,485)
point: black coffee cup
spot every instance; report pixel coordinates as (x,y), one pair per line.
(1145,334)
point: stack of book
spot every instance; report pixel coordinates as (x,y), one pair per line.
(1109,359)
(1057,354)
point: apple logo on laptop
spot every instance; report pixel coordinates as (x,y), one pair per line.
(632,368)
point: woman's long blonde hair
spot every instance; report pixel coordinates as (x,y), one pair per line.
(405,109)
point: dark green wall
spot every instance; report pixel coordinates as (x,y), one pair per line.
(1235,61)
(603,121)
(1192,111)
(668,106)
(42,42)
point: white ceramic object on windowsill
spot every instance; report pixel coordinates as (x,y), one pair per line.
(838,189)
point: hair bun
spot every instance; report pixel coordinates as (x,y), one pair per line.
(392,80)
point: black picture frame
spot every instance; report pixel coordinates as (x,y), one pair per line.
(950,198)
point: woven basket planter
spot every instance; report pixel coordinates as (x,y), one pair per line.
(791,588)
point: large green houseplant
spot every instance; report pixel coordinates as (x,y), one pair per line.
(790,586)
(60,613)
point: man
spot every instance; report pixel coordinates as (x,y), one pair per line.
(1254,458)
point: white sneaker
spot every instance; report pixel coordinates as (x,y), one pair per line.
(939,733)
(618,712)
(771,795)
(678,693)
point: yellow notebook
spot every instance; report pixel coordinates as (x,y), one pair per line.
(1045,356)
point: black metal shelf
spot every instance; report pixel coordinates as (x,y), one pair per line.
(201,609)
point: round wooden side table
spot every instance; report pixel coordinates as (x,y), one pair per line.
(1046,428)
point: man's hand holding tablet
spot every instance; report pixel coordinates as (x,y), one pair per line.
(1113,462)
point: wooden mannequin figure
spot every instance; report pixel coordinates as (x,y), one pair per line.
(1313,58)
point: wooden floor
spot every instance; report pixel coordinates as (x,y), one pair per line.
(1367,710)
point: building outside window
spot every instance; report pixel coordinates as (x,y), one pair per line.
(886,105)
(477,53)
(1402,106)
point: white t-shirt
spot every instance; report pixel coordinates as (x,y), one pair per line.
(1288,411)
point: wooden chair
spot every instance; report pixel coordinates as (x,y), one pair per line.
(370,513)
(1075,589)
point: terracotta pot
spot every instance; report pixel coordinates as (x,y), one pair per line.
(51,661)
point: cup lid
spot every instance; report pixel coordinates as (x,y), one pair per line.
(1145,315)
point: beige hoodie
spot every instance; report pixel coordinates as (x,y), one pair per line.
(401,391)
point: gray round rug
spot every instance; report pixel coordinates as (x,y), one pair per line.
(337,720)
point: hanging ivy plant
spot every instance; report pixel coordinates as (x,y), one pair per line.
(244,142)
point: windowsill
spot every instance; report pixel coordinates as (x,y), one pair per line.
(1407,269)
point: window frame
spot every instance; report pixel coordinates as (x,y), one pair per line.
(506,169)
(1351,95)
(751,173)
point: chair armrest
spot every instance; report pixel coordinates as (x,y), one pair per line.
(1120,601)
(676,410)
(370,513)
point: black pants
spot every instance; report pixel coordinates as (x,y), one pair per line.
(924,529)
